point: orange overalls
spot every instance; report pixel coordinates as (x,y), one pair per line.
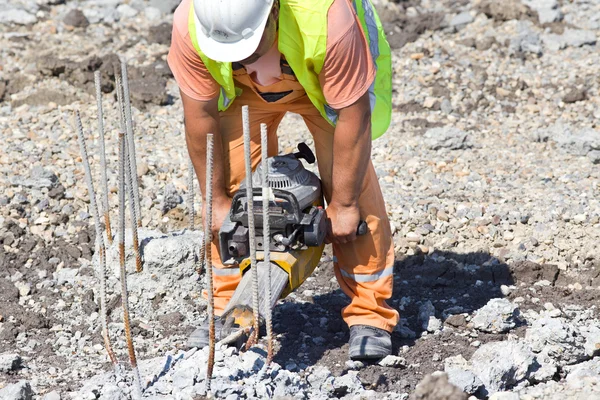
(364,267)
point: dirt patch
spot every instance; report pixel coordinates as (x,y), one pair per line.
(43,97)
(2,89)
(81,74)
(507,10)
(161,34)
(410,107)
(146,84)
(411,28)
(422,124)
(530,272)
(15,267)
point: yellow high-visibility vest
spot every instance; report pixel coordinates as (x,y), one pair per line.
(302,40)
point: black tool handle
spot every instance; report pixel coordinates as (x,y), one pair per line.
(362,229)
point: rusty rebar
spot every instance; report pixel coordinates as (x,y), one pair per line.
(251,227)
(134,228)
(129,172)
(99,239)
(191,177)
(209,274)
(267,237)
(102,150)
(131,142)
(124,295)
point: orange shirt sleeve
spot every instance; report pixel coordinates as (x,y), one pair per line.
(191,74)
(349,70)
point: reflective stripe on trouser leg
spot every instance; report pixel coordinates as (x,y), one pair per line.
(367,277)
(364,267)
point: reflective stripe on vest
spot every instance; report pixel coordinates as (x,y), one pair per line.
(303,42)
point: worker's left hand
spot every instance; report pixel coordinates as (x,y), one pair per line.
(341,223)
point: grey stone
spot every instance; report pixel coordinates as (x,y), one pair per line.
(569,38)
(465,380)
(39,178)
(461,20)
(152,14)
(66,275)
(53,395)
(578,37)
(172,251)
(579,142)
(320,378)
(353,364)
(426,310)
(10,362)
(594,156)
(497,316)
(113,392)
(76,18)
(502,365)
(553,41)
(125,11)
(547,10)
(434,324)
(171,198)
(347,384)
(526,41)
(436,386)
(17,391)
(16,16)
(547,16)
(166,6)
(591,334)
(447,137)
(585,369)
(575,95)
(393,362)
(253,360)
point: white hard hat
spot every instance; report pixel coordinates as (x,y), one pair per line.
(230,30)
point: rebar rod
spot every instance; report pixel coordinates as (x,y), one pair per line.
(191,177)
(267,237)
(251,227)
(208,258)
(131,141)
(102,150)
(129,172)
(124,295)
(201,262)
(99,239)
(134,228)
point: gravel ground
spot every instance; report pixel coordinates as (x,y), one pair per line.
(489,171)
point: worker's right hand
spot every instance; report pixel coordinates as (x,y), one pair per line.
(220,209)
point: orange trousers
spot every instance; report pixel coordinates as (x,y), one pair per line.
(364,267)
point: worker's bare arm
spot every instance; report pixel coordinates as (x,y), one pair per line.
(201,118)
(351,155)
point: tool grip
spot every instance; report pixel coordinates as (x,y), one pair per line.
(362,229)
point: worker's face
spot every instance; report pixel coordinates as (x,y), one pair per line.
(268,38)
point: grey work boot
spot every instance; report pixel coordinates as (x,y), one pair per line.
(368,342)
(199,338)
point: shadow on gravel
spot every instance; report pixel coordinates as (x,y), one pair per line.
(314,332)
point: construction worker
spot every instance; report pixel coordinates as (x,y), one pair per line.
(329,62)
